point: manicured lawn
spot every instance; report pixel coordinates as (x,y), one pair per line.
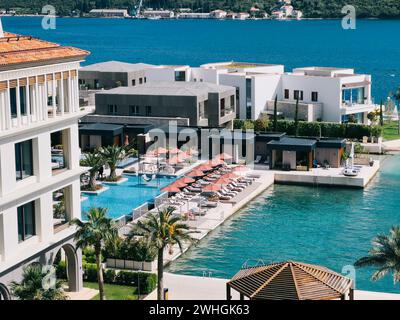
(390,131)
(113,291)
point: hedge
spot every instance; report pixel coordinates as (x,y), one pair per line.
(144,281)
(325,129)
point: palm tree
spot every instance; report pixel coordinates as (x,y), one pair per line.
(384,255)
(112,155)
(95,162)
(95,232)
(160,231)
(396,97)
(32,285)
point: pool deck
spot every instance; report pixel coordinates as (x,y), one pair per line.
(328,177)
(183,287)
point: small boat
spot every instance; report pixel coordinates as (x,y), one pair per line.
(350,172)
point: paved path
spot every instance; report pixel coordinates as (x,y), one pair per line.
(182,287)
(393,145)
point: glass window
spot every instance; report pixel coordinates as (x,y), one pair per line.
(133,82)
(148,110)
(22,100)
(13,102)
(134,110)
(248,98)
(26,221)
(287,93)
(314,96)
(23,160)
(140,80)
(298,94)
(112,109)
(222,107)
(180,76)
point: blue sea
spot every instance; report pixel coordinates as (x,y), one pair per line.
(327,226)
(372,48)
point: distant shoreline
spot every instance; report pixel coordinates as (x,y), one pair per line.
(195,19)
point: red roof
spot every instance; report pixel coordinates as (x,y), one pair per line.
(16,49)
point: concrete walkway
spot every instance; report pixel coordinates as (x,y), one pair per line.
(85,294)
(393,145)
(182,287)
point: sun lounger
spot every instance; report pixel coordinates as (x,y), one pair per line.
(209,204)
(252,175)
(258,159)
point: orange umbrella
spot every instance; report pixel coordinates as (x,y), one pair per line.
(175,151)
(230,176)
(212,187)
(178,184)
(204,167)
(187,180)
(171,189)
(215,162)
(241,168)
(222,181)
(225,156)
(196,173)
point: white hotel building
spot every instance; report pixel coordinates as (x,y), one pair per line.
(325,94)
(39,156)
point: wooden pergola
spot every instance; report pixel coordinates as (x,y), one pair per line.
(290,281)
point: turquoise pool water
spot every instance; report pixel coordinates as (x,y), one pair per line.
(121,199)
(327,226)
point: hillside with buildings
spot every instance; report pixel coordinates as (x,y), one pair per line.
(261,8)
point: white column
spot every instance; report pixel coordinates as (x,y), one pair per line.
(61,98)
(2,111)
(44,105)
(44,217)
(28,102)
(8,108)
(19,120)
(53,95)
(69,91)
(8,233)
(42,156)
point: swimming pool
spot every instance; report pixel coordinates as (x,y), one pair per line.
(121,199)
(328,226)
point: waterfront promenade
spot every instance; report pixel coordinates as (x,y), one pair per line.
(183,287)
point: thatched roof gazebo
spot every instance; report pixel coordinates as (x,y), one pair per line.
(290,281)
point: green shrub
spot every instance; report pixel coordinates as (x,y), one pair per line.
(109,276)
(89,255)
(90,272)
(61,270)
(147,282)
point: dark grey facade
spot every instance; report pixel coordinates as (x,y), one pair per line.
(112,74)
(203,104)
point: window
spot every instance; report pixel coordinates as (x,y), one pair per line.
(298,94)
(13,102)
(112,109)
(133,82)
(222,107)
(22,100)
(26,221)
(96,84)
(237,102)
(145,79)
(314,96)
(140,80)
(23,160)
(180,76)
(148,111)
(287,93)
(248,98)
(232,101)
(134,110)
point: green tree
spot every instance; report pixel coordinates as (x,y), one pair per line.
(381,114)
(95,232)
(111,155)
(261,124)
(248,125)
(384,255)
(396,97)
(33,285)
(160,231)
(95,162)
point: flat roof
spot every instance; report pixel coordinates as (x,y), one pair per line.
(165,88)
(116,66)
(100,128)
(292,144)
(237,65)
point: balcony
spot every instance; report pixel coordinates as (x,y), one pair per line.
(351,107)
(286,109)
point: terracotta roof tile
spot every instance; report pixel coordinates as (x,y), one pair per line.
(16,49)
